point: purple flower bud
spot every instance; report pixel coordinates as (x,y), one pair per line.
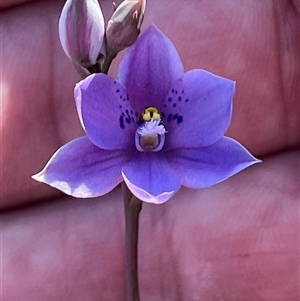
(81,31)
(125,25)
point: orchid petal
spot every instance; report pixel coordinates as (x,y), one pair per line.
(81,169)
(150,178)
(197,110)
(107,117)
(149,68)
(199,168)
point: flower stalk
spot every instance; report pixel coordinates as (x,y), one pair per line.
(132,207)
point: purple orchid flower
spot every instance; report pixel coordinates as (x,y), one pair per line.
(155,127)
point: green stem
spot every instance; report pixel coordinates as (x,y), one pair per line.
(133,207)
(107,63)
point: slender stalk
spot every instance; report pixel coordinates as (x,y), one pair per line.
(94,68)
(86,71)
(107,62)
(133,207)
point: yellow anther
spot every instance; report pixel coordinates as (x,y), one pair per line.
(146,116)
(151,113)
(156,116)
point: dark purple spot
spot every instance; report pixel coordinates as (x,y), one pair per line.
(174,105)
(170,99)
(127,112)
(132,119)
(179,119)
(120,106)
(121,120)
(182,91)
(179,98)
(187,100)
(115,82)
(172,90)
(176,92)
(123,114)
(131,112)
(128,120)
(118,90)
(175,116)
(121,96)
(170,117)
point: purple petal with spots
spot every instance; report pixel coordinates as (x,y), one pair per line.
(81,169)
(197,110)
(107,116)
(150,177)
(149,68)
(203,167)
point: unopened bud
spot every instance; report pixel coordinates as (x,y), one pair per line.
(81,31)
(125,25)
